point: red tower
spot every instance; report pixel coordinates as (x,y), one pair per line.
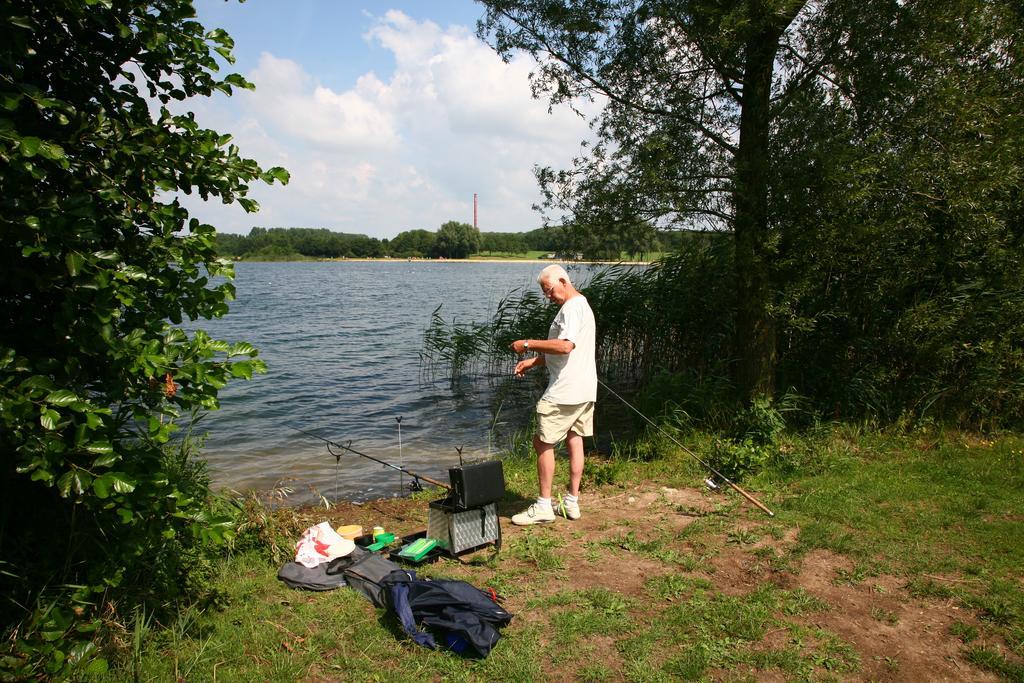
(474,212)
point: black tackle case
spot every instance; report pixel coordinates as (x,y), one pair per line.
(476,485)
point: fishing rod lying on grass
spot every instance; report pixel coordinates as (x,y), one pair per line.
(693,455)
(337,457)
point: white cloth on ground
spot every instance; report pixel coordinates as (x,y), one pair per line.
(321,543)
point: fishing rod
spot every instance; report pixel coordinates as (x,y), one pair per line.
(693,455)
(347,447)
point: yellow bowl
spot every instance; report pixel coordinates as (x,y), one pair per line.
(351,531)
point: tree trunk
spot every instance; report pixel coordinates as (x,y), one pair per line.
(755,328)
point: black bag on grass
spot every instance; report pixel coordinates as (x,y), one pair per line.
(298,576)
(365,572)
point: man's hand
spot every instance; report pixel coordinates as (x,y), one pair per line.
(519,346)
(528,364)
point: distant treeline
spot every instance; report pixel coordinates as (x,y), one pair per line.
(452,240)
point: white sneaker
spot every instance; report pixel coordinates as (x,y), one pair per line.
(569,510)
(534,514)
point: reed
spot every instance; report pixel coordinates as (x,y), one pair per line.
(672,316)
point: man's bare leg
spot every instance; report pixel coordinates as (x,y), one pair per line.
(574,444)
(540,511)
(545,465)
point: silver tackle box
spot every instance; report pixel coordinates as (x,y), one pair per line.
(463,530)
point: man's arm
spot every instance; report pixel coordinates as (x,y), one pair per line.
(529,364)
(557,346)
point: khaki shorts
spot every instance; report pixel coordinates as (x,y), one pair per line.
(555,420)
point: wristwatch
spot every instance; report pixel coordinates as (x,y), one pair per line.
(526,345)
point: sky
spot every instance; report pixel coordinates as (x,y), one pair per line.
(388,115)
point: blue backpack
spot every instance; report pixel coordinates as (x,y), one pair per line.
(460,613)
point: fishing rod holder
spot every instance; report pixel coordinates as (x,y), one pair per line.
(464,520)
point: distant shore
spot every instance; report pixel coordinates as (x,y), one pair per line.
(446,260)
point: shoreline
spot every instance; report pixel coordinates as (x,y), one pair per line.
(451,260)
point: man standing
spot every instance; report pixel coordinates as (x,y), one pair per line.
(566,410)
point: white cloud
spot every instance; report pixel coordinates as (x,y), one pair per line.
(347,122)
(404,152)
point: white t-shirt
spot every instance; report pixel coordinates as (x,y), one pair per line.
(572,377)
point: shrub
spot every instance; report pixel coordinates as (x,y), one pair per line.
(99,265)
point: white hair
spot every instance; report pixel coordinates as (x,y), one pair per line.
(553,272)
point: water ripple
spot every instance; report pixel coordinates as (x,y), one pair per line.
(341,342)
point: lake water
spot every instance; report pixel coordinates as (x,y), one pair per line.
(341,341)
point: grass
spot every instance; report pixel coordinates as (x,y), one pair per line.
(502,255)
(915,529)
(646,256)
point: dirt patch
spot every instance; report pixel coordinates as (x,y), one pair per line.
(898,637)
(895,636)
(628,580)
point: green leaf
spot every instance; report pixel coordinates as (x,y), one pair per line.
(89,626)
(100,447)
(97,667)
(238,81)
(101,487)
(81,432)
(22,22)
(242,349)
(50,150)
(74,262)
(122,483)
(242,368)
(133,273)
(52,635)
(38,382)
(30,146)
(81,651)
(106,460)
(49,419)
(279,174)
(73,481)
(61,397)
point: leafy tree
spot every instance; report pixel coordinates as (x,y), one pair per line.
(502,242)
(100,264)
(899,205)
(456,240)
(865,158)
(812,132)
(286,243)
(608,242)
(412,243)
(683,139)
(550,238)
(230,244)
